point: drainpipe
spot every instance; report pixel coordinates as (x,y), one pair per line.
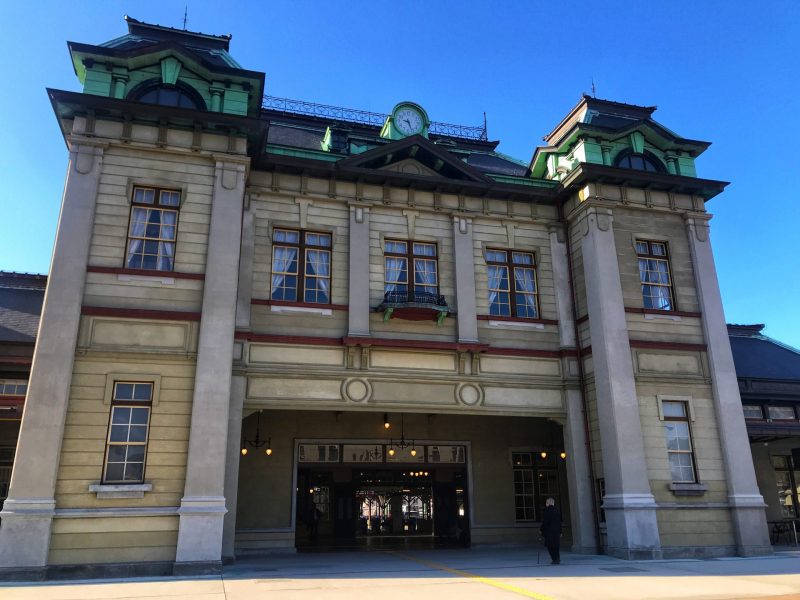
(582,380)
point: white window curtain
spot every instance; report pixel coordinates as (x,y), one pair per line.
(284,262)
(396,274)
(318,267)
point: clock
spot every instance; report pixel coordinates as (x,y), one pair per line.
(408,120)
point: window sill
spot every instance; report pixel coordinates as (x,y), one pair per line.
(688,489)
(282,308)
(120,490)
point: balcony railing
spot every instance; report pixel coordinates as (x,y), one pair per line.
(364,117)
(414,306)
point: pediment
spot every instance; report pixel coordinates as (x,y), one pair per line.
(415,156)
(410,166)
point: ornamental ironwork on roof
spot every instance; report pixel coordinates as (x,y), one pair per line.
(364,117)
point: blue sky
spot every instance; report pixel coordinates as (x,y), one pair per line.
(723,71)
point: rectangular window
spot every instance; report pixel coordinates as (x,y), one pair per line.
(654,273)
(679,441)
(301,266)
(535,480)
(786,480)
(13,387)
(752,411)
(781,413)
(153,228)
(422,257)
(126,444)
(505,267)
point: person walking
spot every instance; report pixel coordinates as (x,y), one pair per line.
(551,530)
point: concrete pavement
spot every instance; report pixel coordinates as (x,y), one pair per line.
(480,574)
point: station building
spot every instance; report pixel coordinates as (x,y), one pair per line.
(272,324)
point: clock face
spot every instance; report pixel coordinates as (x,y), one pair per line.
(408,121)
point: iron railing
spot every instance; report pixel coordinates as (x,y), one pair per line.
(364,117)
(416,297)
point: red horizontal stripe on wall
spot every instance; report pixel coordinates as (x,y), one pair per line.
(145,272)
(138,313)
(265,338)
(668,346)
(653,311)
(16,360)
(419,344)
(516,320)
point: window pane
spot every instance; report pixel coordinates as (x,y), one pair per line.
(123,391)
(641,247)
(116,453)
(119,433)
(752,411)
(121,415)
(169,198)
(395,247)
(135,453)
(781,412)
(142,391)
(143,195)
(139,415)
(134,471)
(114,471)
(286,235)
(138,433)
(522,258)
(658,249)
(673,409)
(495,256)
(424,249)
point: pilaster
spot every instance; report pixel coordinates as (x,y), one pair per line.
(28,512)
(203,504)
(580,484)
(244,295)
(358,286)
(238,388)
(464,255)
(629,503)
(747,505)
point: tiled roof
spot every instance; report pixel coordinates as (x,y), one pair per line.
(21,296)
(760,357)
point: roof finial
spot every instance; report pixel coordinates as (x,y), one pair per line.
(594,91)
(185,16)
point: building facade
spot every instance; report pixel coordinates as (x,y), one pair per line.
(21,296)
(273,324)
(769,383)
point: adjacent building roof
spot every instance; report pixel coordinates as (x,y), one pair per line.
(757,356)
(21,296)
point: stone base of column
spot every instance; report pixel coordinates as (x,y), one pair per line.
(632,528)
(200,532)
(25,526)
(750,525)
(190,569)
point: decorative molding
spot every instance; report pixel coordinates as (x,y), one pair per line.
(357,389)
(668,346)
(138,313)
(287,339)
(469,394)
(302,206)
(411,216)
(418,344)
(153,274)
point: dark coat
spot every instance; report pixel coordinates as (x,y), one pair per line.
(551,524)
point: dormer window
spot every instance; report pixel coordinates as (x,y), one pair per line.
(639,161)
(168,95)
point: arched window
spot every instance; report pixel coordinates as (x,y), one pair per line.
(168,95)
(640,162)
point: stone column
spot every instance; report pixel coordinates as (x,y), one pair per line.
(245,291)
(238,389)
(28,512)
(464,254)
(747,505)
(579,480)
(629,503)
(203,504)
(358,288)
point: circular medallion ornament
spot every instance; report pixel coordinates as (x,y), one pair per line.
(356,390)
(469,394)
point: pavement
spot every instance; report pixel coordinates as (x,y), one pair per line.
(466,574)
